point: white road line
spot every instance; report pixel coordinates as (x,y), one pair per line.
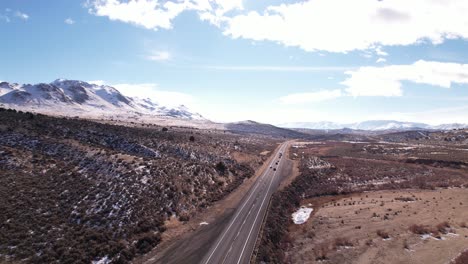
(245,203)
(258,213)
(238,233)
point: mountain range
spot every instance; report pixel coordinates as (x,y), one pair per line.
(373,125)
(76,98)
(83,99)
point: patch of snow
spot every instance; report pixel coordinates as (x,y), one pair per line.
(302,215)
(104,260)
(144,180)
(426,236)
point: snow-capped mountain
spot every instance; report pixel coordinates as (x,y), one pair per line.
(373,125)
(79,98)
(450,126)
(314,125)
(387,125)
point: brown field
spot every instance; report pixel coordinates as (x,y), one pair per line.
(374,202)
(360,218)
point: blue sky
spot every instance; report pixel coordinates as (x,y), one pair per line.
(270,61)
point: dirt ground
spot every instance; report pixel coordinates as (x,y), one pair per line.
(188,242)
(293,166)
(354,228)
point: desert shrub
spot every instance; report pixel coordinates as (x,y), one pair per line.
(405,199)
(443,227)
(146,243)
(221,168)
(321,252)
(342,242)
(184,217)
(419,229)
(383,234)
(406,244)
(462,258)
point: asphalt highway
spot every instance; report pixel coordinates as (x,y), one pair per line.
(236,242)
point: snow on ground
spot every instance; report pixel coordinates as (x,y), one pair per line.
(104,260)
(302,215)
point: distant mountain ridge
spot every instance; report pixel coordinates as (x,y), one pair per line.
(372,125)
(83,99)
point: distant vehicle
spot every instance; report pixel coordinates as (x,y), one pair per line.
(271,167)
(274,169)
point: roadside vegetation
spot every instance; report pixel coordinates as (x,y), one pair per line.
(345,175)
(76,191)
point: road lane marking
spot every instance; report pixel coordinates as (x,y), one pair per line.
(245,203)
(238,232)
(255,220)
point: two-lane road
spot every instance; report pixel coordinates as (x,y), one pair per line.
(237,241)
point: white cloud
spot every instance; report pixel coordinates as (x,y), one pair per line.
(21,15)
(301,98)
(343,26)
(69,21)
(159,56)
(150,14)
(313,25)
(215,13)
(152,91)
(387,80)
(381,60)
(380,52)
(97,82)
(156,14)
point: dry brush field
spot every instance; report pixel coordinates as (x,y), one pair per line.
(374,202)
(75,191)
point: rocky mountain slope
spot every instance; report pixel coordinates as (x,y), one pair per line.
(83,99)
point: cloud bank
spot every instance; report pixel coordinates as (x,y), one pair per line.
(314,25)
(156,14)
(388,81)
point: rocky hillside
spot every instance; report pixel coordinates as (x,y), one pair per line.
(452,137)
(75,191)
(252,127)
